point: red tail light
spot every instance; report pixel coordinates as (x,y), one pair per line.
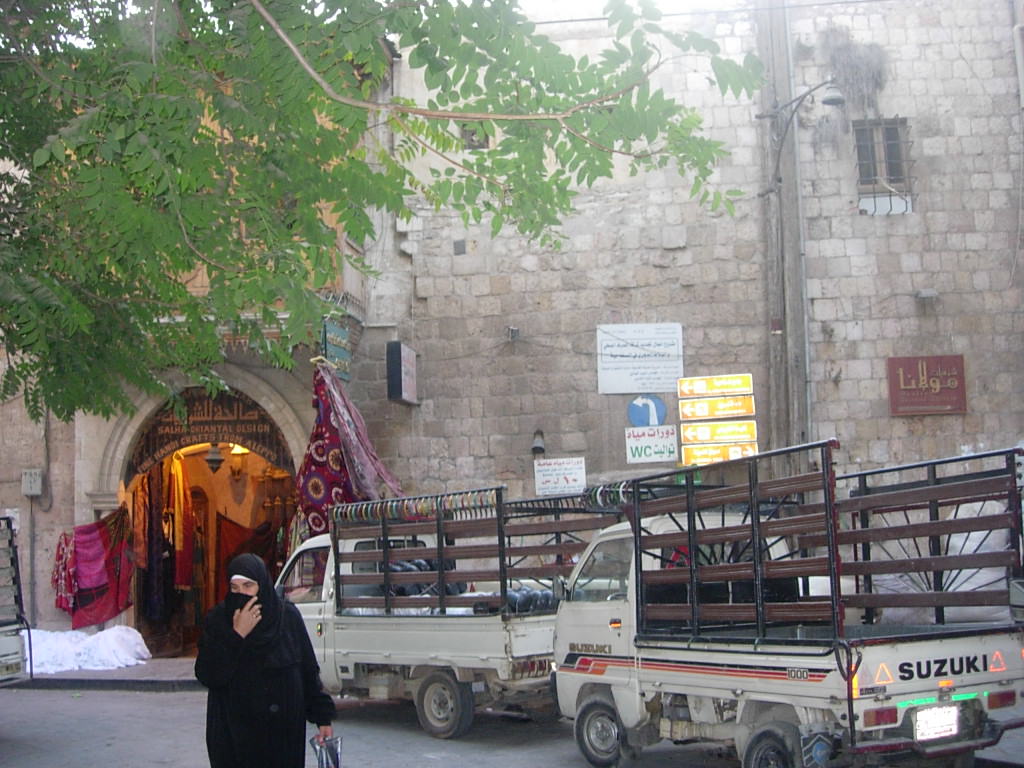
(876,717)
(1002,699)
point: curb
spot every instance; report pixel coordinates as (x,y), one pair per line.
(149,686)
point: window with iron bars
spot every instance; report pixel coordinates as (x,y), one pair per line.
(883,165)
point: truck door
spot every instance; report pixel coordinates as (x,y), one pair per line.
(302,584)
(596,617)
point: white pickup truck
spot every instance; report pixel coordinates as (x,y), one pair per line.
(12,616)
(801,630)
(444,600)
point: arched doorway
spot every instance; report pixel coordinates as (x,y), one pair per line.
(207,478)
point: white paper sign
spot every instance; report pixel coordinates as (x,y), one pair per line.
(650,444)
(639,358)
(560,477)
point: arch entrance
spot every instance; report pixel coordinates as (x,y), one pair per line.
(206,478)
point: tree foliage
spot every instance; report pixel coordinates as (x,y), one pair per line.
(169,140)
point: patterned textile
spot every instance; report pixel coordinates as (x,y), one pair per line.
(179,506)
(340,465)
(140,522)
(103,567)
(63,577)
(154,605)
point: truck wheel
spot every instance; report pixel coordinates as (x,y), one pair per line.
(600,736)
(444,706)
(774,746)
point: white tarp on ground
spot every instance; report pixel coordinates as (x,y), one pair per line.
(62,651)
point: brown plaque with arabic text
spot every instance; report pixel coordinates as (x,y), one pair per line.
(927,385)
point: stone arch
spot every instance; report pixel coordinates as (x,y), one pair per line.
(118,436)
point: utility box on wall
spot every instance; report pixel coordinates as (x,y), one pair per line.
(401,367)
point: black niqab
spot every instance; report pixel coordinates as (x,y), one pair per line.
(265,640)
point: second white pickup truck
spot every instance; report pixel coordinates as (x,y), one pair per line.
(799,629)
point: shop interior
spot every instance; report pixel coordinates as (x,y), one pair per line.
(191,512)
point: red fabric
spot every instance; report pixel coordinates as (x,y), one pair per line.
(103,566)
(234,539)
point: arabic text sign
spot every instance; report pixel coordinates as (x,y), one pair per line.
(560,477)
(638,358)
(720,432)
(716,407)
(709,454)
(651,444)
(930,384)
(698,386)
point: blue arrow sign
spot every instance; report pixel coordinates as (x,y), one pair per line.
(647,411)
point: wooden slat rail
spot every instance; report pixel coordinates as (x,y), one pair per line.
(928,599)
(966,561)
(914,530)
(967,491)
(708,498)
(568,522)
(775,569)
(430,577)
(769,528)
(463,552)
(457,528)
(809,611)
(450,601)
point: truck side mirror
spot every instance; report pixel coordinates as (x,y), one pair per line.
(1017,600)
(558,587)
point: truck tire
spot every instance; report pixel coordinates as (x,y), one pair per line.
(444,706)
(775,745)
(600,736)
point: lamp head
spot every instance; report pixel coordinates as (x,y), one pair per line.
(833,97)
(214,458)
(538,443)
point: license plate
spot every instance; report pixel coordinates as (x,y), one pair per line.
(935,723)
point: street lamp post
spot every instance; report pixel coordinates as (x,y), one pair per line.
(788,348)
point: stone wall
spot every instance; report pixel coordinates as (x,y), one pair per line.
(640,251)
(934,282)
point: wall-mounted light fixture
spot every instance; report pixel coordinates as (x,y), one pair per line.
(237,466)
(214,458)
(538,443)
(832,97)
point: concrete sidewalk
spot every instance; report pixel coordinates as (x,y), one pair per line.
(176,674)
(170,674)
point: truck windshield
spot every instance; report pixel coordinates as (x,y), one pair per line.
(605,574)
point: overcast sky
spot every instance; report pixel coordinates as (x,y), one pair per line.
(556,10)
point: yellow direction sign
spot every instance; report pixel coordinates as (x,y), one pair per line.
(716,407)
(698,386)
(709,454)
(720,432)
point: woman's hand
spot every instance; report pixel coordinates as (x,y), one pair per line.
(246,618)
(325,732)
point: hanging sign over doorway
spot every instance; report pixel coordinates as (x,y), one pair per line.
(230,417)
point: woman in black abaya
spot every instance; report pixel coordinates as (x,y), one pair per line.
(264,682)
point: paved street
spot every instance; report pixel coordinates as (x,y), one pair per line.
(130,729)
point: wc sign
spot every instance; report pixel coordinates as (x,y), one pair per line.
(650,439)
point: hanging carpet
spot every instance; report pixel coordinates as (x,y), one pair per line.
(340,465)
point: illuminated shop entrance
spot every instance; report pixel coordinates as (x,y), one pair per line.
(200,490)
